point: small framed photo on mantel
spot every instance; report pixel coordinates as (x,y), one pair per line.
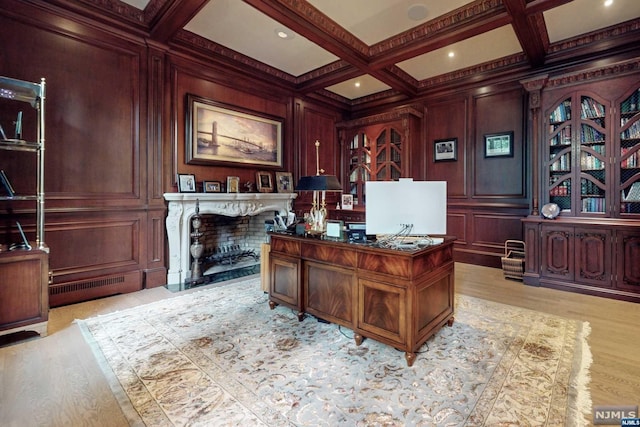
(186,183)
(212,186)
(264,182)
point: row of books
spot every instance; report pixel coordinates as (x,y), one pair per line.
(593,204)
(631,161)
(563,137)
(589,135)
(591,162)
(561,164)
(633,132)
(562,113)
(631,104)
(563,189)
(591,109)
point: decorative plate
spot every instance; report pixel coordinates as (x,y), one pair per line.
(550,210)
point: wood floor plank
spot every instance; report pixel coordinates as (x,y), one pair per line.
(56,380)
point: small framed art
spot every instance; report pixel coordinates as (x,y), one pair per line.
(212,186)
(284,182)
(264,182)
(347,202)
(186,183)
(233,184)
(498,144)
(445,150)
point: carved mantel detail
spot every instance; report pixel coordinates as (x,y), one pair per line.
(182,207)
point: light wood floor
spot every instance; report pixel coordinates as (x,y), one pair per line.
(55,381)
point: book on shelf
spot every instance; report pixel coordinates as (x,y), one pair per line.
(634,193)
(7,184)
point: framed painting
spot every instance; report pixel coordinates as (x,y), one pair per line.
(445,149)
(186,183)
(284,182)
(219,133)
(498,144)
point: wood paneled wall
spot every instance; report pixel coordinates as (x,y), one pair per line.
(116,132)
(487,196)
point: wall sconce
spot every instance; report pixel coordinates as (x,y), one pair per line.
(319,184)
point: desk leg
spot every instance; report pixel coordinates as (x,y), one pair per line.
(411,357)
(359,338)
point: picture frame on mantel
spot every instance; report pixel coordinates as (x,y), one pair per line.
(284,182)
(211,186)
(264,182)
(218,133)
(233,184)
(186,183)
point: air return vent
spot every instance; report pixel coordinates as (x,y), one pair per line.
(95,287)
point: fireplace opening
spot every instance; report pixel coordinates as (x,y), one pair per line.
(231,248)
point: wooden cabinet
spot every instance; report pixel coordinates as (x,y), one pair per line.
(588,150)
(24,295)
(397,297)
(377,148)
(24,263)
(586,256)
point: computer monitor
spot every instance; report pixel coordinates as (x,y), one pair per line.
(408,207)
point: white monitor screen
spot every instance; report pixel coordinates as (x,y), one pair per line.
(391,205)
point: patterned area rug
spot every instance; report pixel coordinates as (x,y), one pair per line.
(220,356)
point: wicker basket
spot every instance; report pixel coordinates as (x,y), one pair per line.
(513,259)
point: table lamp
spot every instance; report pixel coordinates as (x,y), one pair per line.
(318,183)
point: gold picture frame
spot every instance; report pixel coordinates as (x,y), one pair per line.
(233,184)
(284,182)
(218,133)
(264,182)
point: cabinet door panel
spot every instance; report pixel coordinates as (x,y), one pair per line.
(330,293)
(628,271)
(382,310)
(593,257)
(285,279)
(557,253)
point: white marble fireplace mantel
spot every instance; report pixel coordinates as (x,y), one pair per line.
(182,206)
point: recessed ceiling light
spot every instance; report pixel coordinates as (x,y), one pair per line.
(608,3)
(357,84)
(451,54)
(417,12)
(283,33)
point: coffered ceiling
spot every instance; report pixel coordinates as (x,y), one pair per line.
(354,49)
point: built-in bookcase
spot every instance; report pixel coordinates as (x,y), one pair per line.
(577,155)
(629,154)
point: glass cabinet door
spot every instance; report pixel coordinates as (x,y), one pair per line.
(359,166)
(593,156)
(559,160)
(629,154)
(375,154)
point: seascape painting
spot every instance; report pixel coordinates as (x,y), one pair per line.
(220,134)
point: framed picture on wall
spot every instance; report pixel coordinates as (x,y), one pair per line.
(445,149)
(498,144)
(219,133)
(186,183)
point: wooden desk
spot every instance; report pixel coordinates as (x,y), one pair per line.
(397,297)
